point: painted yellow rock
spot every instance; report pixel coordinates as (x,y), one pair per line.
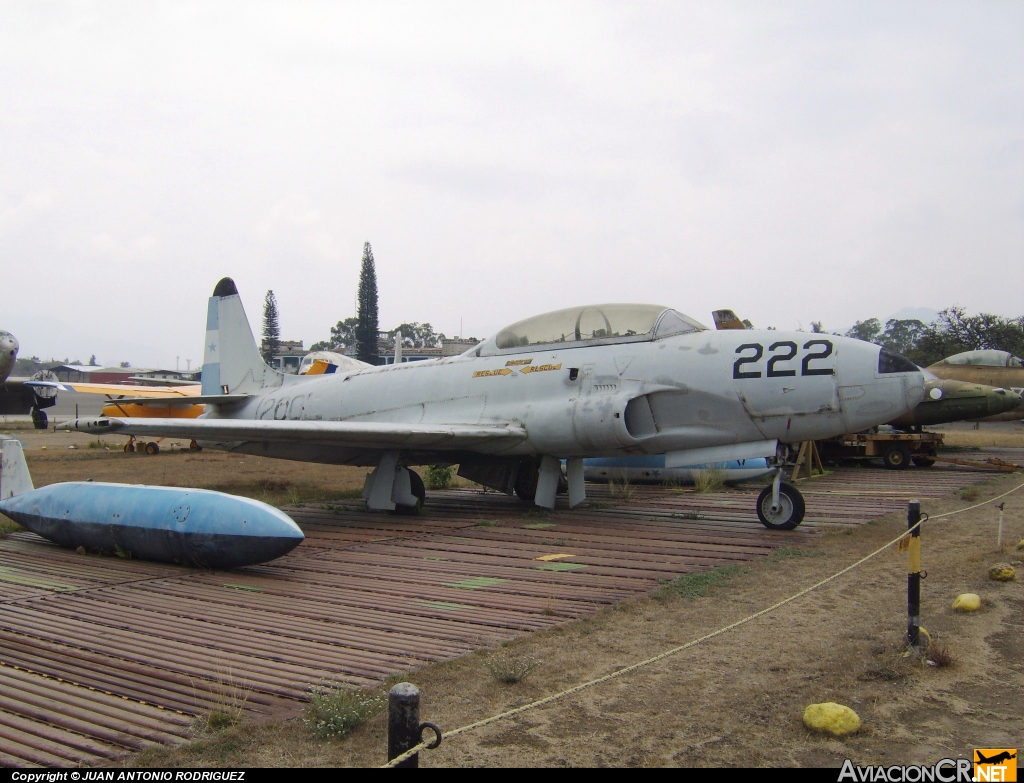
(967,602)
(1002,572)
(831,718)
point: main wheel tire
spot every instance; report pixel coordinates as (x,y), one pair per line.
(152,447)
(129,448)
(924,460)
(526,480)
(39,420)
(417,489)
(790,513)
(896,457)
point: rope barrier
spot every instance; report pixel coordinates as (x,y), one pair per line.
(675,650)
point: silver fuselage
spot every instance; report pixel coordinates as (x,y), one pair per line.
(707,388)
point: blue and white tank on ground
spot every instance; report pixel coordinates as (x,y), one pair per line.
(196,527)
(650,469)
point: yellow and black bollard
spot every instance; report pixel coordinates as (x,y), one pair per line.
(914,575)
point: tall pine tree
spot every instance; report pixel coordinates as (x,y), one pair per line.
(367,326)
(271,327)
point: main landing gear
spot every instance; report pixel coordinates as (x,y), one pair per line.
(418,491)
(393,487)
(39,420)
(780,506)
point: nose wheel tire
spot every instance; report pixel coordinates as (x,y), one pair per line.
(790,512)
(896,457)
(417,489)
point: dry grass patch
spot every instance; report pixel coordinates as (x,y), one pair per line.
(510,669)
(968,493)
(709,480)
(228,697)
(982,438)
(8,526)
(623,490)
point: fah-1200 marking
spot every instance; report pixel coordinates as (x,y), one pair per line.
(594,381)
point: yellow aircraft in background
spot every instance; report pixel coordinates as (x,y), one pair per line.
(172,402)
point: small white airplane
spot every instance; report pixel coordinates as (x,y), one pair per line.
(594,381)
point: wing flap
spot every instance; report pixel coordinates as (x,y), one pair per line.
(362,434)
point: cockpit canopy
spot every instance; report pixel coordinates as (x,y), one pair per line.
(592,325)
(985,358)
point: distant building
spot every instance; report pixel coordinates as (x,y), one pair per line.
(386,350)
(287,357)
(145,376)
(456,346)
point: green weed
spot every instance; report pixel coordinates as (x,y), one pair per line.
(697,584)
(335,710)
(438,477)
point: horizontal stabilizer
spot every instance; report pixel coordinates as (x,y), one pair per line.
(361,434)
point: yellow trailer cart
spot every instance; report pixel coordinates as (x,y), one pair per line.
(896,449)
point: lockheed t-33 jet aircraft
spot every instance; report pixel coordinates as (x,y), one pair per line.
(594,381)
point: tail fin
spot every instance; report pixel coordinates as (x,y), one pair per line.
(231,361)
(14,476)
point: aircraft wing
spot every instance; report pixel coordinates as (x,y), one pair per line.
(122,390)
(360,434)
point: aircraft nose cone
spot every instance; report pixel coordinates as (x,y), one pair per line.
(1003,400)
(915,389)
(8,346)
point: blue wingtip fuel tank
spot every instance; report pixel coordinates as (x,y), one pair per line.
(194,527)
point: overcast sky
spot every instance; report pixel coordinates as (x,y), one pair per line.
(795,162)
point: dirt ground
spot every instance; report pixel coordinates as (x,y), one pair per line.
(736,700)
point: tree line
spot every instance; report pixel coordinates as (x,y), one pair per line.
(360,331)
(953,331)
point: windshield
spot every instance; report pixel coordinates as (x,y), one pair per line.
(605,322)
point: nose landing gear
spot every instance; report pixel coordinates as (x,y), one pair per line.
(780,506)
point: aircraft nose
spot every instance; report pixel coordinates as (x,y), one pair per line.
(8,345)
(1003,400)
(876,385)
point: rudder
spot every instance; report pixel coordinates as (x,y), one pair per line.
(14,475)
